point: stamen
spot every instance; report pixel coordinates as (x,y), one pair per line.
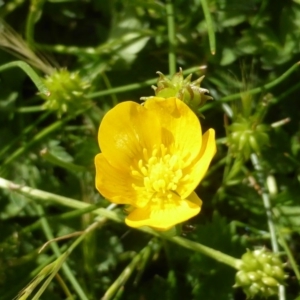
(144,171)
(135,173)
(145,154)
(159,175)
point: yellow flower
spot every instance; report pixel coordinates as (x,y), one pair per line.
(153,157)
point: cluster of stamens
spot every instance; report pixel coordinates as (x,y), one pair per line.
(157,175)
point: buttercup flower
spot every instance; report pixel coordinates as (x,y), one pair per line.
(153,157)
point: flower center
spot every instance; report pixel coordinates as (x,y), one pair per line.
(157,175)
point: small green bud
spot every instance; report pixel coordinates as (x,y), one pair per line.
(182,88)
(67,92)
(245,137)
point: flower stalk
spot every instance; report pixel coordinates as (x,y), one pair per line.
(127,272)
(171,36)
(31,73)
(43,196)
(268,209)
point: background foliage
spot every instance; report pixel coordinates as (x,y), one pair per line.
(122,44)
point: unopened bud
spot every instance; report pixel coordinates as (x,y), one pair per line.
(246,138)
(182,88)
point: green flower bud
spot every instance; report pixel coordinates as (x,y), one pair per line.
(245,137)
(186,90)
(66,92)
(260,274)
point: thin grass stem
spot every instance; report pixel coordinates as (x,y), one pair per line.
(210,27)
(32,17)
(265,87)
(171,36)
(268,208)
(37,138)
(25,131)
(65,267)
(30,72)
(125,275)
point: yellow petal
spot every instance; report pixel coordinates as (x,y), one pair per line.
(125,130)
(113,184)
(164,219)
(198,170)
(193,197)
(181,127)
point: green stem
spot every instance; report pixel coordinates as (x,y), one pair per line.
(30,72)
(114,45)
(210,27)
(65,267)
(30,109)
(259,14)
(64,287)
(26,292)
(27,130)
(53,269)
(268,208)
(152,249)
(264,87)
(75,169)
(10,7)
(38,137)
(60,262)
(216,166)
(65,216)
(214,254)
(124,276)
(69,202)
(34,273)
(171,36)
(108,85)
(285,94)
(61,200)
(258,90)
(289,255)
(266,202)
(135,86)
(32,17)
